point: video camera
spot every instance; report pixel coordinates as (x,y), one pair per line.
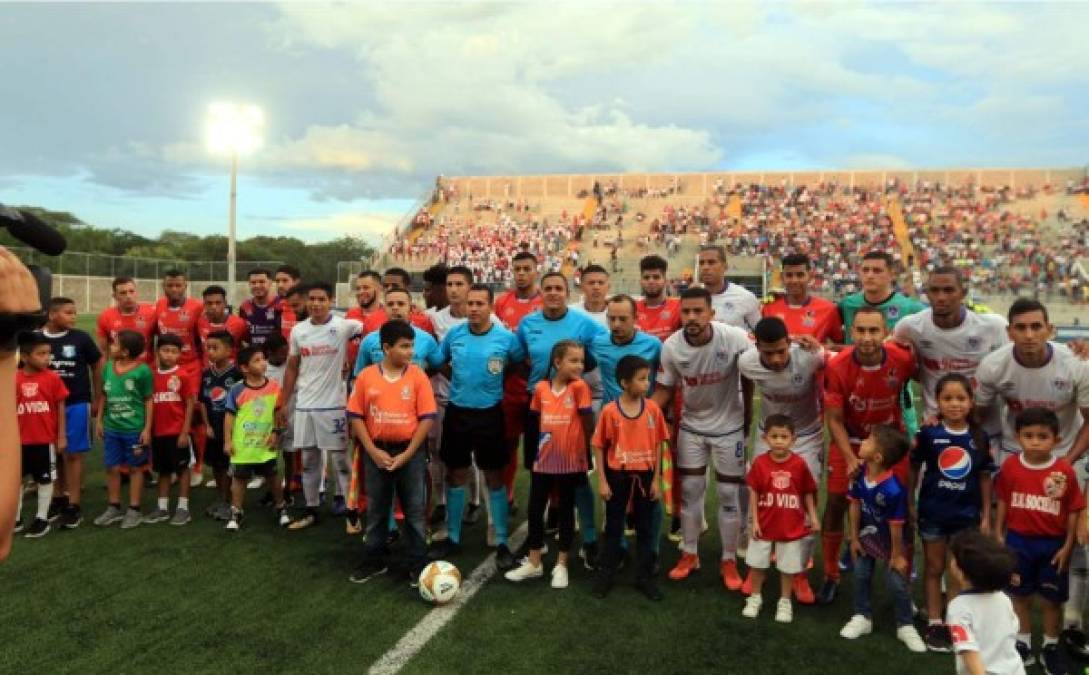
(29,229)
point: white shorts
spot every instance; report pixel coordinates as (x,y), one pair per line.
(789,555)
(727,452)
(325,429)
(809,447)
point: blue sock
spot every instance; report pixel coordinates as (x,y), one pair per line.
(455,510)
(497,499)
(392,520)
(656,519)
(584,506)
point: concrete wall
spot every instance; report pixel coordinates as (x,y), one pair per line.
(93,294)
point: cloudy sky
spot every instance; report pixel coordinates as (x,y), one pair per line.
(105,104)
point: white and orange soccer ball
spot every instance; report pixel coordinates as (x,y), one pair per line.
(439,582)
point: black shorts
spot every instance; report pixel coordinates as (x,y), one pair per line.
(167,458)
(248,471)
(214,456)
(472,431)
(39,462)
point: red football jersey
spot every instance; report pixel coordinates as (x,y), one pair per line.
(288,319)
(38,398)
(235,325)
(511,310)
(780,490)
(111,322)
(357,313)
(816,316)
(181,321)
(376,319)
(661,321)
(170,390)
(868,395)
(1038,498)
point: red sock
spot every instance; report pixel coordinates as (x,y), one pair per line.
(830,545)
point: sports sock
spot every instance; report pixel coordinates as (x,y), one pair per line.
(584,507)
(693,489)
(497,500)
(455,510)
(164,503)
(830,545)
(342,470)
(392,521)
(45,496)
(183,503)
(729,517)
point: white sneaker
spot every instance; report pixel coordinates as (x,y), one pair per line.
(910,637)
(526,570)
(211,484)
(784,611)
(857,627)
(255,483)
(559,576)
(753,603)
(195,479)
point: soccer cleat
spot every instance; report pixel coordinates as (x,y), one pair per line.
(282,519)
(132,519)
(1053,661)
(157,516)
(308,519)
(111,515)
(181,517)
(472,514)
(649,587)
(603,583)
(746,587)
(504,559)
(39,528)
(71,518)
(589,555)
(910,637)
(730,578)
(233,525)
(802,592)
(784,611)
(444,550)
(857,627)
(18,526)
(352,524)
(937,638)
(1075,641)
(526,570)
(255,483)
(340,507)
(829,591)
(1025,652)
(752,606)
(559,576)
(688,563)
(195,479)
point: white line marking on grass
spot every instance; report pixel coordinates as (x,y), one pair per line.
(416,639)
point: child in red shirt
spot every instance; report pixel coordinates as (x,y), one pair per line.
(782,496)
(39,396)
(172,400)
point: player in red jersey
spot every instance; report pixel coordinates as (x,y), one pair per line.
(862,389)
(39,399)
(803,313)
(173,398)
(178,314)
(215,318)
(128,313)
(395,277)
(368,286)
(511,307)
(288,278)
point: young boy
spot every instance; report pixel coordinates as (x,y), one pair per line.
(216,381)
(782,495)
(250,435)
(78,361)
(1038,505)
(123,422)
(172,398)
(628,441)
(276,348)
(39,395)
(878,511)
(392,408)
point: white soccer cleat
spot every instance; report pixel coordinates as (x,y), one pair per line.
(857,627)
(559,576)
(784,611)
(752,606)
(526,570)
(910,637)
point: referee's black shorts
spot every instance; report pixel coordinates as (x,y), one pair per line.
(469,431)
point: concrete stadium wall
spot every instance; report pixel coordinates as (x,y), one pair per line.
(93,294)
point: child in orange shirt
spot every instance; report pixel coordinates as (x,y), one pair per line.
(566,422)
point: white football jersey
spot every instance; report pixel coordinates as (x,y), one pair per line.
(593,378)
(955,350)
(736,306)
(793,391)
(709,379)
(985,623)
(1060,385)
(322,350)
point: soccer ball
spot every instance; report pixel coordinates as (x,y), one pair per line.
(439,582)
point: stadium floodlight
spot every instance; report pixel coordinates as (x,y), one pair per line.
(234,130)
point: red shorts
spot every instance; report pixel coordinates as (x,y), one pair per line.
(839,481)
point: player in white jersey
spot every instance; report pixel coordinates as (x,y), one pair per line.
(701,361)
(317,353)
(594,283)
(734,304)
(948,338)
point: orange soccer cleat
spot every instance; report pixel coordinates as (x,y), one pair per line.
(746,588)
(802,592)
(688,563)
(730,577)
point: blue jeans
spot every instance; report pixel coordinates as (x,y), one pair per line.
(409,483)
(898,587)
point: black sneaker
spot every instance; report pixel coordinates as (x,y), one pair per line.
(472,514)
(649,587)
(1025,652)
(937,638)
(444,550)
(38,528)
(828,592)
(438,516)
(71,518)
(56,508)
(588,553)
(602,585)
(1075,641)
(414,576)
(366,571)
(504,559)
(1053,660)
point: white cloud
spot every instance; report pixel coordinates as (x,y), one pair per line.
(371,227)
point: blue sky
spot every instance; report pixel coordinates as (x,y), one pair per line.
(366,103)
